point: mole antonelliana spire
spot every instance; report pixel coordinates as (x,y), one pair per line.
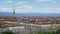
(14,15)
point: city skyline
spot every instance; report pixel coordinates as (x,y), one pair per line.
(30,6)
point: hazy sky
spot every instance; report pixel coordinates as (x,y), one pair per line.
(30,6)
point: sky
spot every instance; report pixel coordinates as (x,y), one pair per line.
(30,6)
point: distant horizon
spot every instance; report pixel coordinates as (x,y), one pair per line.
(28,14)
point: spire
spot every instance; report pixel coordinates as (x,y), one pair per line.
(14,12)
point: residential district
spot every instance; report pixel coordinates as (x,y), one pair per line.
(28,24)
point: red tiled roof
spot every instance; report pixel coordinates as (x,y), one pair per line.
(1,22)
(11,24)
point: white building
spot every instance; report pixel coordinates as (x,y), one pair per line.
(16,29)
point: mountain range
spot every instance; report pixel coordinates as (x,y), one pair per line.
(28,14)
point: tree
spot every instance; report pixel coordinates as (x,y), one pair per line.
(7,32)
(47,32)
(58,31)
(50,32)
(1,17)
(53,32)
(38,32)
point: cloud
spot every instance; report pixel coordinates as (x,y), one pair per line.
(43,0)
(30,9)
(6,10)
(8,1)
(46,10)
(24,9)
(22,2)
(49,10)
(57,10)
(53,2)
(43,10)
(19,9)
